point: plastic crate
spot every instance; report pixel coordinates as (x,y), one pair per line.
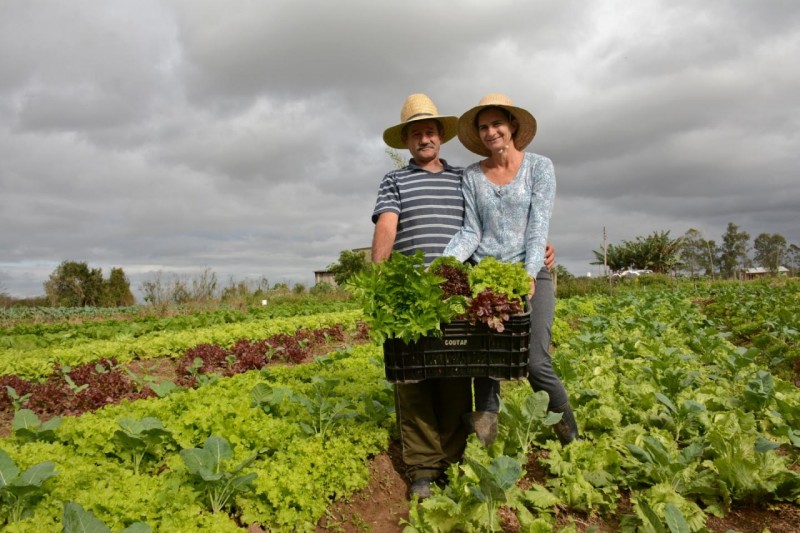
(463,351)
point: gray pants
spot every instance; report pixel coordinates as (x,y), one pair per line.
(541,375)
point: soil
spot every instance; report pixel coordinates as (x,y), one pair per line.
(380,507)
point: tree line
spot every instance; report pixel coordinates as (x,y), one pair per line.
(74,284)
(695,255)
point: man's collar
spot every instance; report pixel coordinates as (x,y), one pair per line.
(445,165)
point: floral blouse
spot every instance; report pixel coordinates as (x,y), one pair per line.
(508,222)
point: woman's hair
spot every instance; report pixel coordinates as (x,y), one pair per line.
(506,113)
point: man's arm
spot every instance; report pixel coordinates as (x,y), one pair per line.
(383,239)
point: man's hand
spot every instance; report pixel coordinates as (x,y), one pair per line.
(549,257)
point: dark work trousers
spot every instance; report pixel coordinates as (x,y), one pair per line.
(541,375)
(430,418)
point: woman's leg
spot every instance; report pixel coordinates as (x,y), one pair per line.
(541,374)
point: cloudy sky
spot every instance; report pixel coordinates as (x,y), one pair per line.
(245,137)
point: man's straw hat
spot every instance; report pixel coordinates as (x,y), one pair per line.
(419,107)
(468,130)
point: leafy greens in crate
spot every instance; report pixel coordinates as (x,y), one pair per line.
(404,300)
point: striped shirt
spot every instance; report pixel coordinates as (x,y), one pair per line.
(430,207)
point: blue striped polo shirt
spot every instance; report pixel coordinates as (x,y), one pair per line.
(430,207)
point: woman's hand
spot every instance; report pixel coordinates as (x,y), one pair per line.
(533,288)
(549,256)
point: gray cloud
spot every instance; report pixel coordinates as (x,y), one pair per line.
(180,135)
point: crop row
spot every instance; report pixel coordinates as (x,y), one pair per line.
(64,333)
(93,385)
(41,362)
(761,314)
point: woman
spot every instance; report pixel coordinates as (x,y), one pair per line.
(508,200)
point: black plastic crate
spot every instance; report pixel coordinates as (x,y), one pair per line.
(463,350)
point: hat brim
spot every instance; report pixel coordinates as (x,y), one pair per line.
(468,131)
(393,136)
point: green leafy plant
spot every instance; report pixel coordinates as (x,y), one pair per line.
(402,299)
(207,465)
(324,407)
(138,438)
(521,417)
(161,388)
(494,481)
(16,399)
(20,491)
(75,388)
(509,279)
(27,426)
(202,378)
(164,388)
(270,399)
(76,519)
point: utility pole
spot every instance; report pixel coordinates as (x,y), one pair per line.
(605,253)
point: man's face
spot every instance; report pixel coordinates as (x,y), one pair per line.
(423,141)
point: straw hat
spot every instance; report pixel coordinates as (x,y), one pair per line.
(468,131)
(419,107)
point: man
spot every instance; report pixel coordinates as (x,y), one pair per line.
(420,207)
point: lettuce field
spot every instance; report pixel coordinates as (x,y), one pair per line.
(270,420)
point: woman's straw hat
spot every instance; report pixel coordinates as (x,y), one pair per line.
(468,130)
(419,107)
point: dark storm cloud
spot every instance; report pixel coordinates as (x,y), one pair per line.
(177,135)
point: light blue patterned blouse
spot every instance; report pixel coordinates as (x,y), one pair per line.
(508,222)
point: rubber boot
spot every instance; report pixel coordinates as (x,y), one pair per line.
(484,424)
(566,429)
(421,488)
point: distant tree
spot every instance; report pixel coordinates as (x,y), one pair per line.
(793,258)
(616,257)
(770,250)
(692,251)
(350,263)
(117,290)
(204,286)
(73,284)
(299,288)
(562,274)
(155,290)
(321,288)
(711,257)
(698,255)
(733,251)
(657,252)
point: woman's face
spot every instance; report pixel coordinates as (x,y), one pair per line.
(494,129)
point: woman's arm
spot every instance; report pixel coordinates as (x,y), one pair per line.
(466,241)
(543,192)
